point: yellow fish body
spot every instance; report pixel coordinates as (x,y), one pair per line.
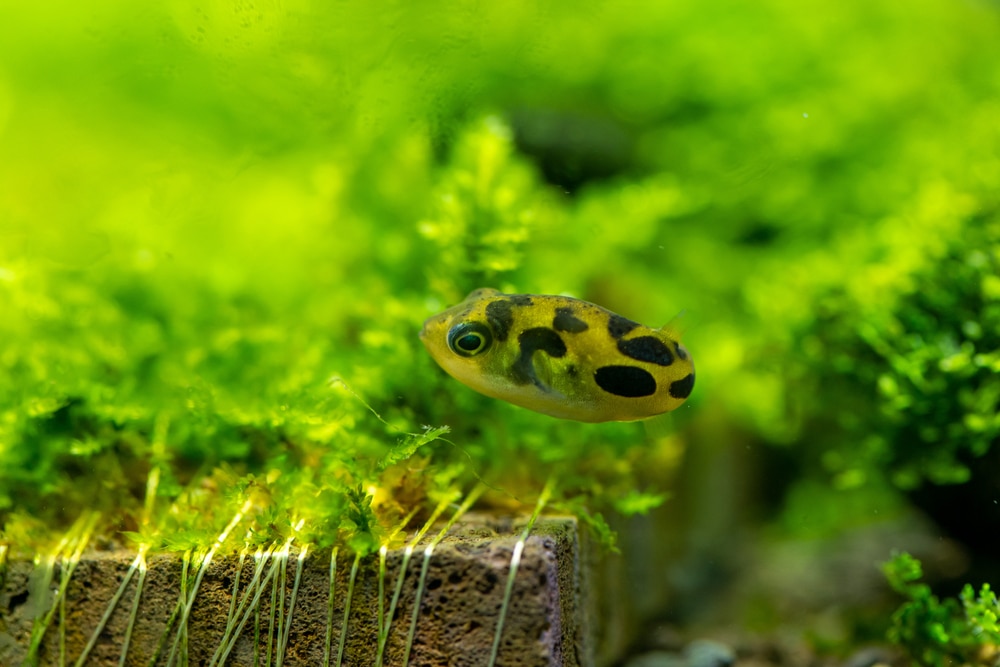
(560,356)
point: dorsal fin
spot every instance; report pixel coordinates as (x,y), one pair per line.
(675,328)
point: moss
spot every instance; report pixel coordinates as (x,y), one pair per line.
(927,366)
(222,230)
(935,631)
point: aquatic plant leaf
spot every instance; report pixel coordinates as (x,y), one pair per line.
(938,632)
(409,445)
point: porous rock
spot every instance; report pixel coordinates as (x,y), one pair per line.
(546,623)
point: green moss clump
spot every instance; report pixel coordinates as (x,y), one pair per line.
(915,375)
(938,632)
(937,365)
(220,232)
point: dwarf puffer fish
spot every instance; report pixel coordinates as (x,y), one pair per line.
(560,356)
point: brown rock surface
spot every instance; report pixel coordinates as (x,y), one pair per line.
(546,624)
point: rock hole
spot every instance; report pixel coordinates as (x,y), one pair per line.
(18,600)
(488,582)
(434,584)
(454,578)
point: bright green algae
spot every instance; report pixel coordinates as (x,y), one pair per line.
(220,232)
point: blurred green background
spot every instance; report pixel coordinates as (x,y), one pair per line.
(213,217)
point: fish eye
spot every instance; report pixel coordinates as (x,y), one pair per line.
(469,339)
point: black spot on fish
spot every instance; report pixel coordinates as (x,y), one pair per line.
(565,320)
(531,341)
(682,388)
(627,381)
(618,326)
(682,352)
(500,313)
(647,348)
(501,317)
(572,371)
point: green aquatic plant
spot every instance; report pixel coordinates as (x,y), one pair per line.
(138,565)
(898,388)
(306,446)
(216,254)
(927,365)
(192,273)
(515,561)
(938,632)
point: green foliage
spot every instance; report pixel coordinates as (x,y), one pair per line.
(220,231)
(939,632)
(599,528)
(484,208)
(362,521)
(638,502)
(916,376)
(408,445)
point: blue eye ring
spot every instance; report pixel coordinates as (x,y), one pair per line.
(469,339)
